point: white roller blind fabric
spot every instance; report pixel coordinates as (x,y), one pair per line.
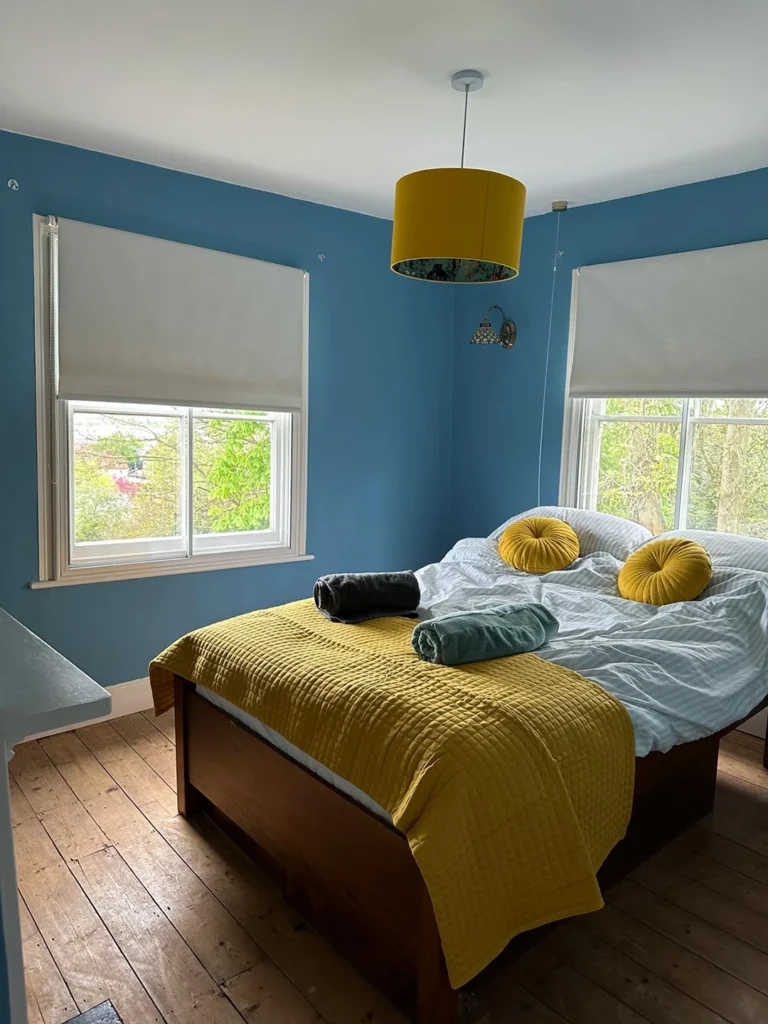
(146,320)
(691,324)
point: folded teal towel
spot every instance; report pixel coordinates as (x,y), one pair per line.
(462,637)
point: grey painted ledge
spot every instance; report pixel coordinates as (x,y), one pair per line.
(39,690)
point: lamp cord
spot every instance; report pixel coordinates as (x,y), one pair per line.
(464,132)
(546,361)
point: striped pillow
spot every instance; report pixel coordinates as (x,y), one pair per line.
(727,550)
(597,531)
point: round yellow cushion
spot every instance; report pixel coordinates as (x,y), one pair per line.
(539,544)
(667,570)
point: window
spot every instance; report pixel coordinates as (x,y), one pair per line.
(154,488)
(668,463)
(148,482)
(136,488)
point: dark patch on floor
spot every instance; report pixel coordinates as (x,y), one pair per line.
(104,1013)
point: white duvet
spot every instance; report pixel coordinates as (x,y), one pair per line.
(682,671)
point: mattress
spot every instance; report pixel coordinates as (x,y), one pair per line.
(280,743)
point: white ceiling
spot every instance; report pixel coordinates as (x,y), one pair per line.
(332,100)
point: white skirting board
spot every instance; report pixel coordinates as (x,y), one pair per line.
(756,725)
(127,699)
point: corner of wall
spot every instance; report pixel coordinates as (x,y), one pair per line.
(449,535)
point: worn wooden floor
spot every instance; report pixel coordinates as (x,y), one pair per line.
(122,899)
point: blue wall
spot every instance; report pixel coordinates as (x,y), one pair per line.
(498,394)
(415,437)
(380,398)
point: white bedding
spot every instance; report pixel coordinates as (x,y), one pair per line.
(682,670)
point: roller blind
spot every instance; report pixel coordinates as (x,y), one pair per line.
(692,324)
(142,319)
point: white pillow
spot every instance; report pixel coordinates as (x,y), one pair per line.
(727,550)
(597,531)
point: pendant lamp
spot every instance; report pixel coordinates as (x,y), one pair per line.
(458,225)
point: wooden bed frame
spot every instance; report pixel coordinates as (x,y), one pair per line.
(352,875)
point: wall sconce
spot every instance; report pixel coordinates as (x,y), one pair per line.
(486,335)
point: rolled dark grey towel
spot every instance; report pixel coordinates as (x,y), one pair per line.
(463,637)
(356,596)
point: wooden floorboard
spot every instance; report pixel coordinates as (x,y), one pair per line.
(746,739)
(567,991)
(164,723)
(736,761)
(84,951)
(151,744)
(122,899)
(222,945)
(63,816)
(48,997)
(264,994)
(175,979)
(509,1002)
(741,858)
(649,994)
(688,971)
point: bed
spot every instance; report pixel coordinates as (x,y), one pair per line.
(348,869)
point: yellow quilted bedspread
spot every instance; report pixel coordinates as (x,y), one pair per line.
(512,779)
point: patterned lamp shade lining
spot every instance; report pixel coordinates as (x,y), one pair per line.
(454,271)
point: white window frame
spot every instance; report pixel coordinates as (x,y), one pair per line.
(285,542)
(581,443)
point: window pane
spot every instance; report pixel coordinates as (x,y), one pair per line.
(232,475)
(643,406)
(637,472)
(729,476)
(757,407)
(126,476)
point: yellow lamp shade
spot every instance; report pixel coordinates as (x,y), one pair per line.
(458,225)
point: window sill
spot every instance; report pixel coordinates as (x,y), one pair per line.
(145,570)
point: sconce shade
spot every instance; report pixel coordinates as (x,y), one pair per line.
(485,334)
(458,225)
